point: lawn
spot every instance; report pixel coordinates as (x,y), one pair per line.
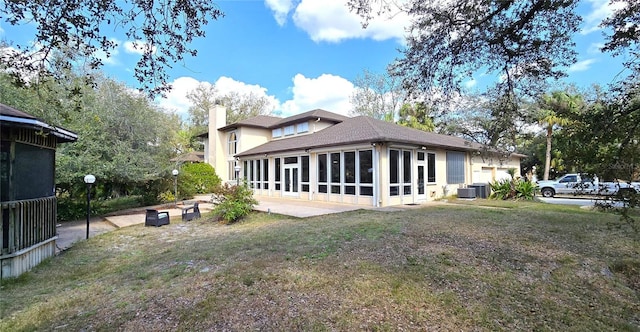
(521,266)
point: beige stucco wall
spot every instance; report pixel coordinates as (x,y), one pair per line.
(486,169)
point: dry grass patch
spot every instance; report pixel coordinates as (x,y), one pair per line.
(433,268)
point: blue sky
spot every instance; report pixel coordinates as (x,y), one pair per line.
(305,54)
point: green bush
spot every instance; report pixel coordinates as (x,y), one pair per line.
(514,188)
(525,189)
(197,178)
(235,203)
(76,209)
(501,189)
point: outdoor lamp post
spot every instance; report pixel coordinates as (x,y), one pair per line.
(175,185)
(89,180)
(237,168)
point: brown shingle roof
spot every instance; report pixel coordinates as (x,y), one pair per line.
(314,114)
(260,121)
(269,122)
(362,129)
(195,157)
(10,111)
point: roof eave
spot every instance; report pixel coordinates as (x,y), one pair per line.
(62,134)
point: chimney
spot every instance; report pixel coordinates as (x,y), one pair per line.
(217,153)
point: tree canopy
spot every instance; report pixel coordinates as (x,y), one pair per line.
(521,41)
(162,30)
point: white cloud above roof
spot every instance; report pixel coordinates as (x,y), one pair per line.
(328,92)
(331,20)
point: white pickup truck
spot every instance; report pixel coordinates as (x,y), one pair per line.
(582,184)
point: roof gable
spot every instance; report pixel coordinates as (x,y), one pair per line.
(270,122)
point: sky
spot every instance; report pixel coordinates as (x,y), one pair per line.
(305,54)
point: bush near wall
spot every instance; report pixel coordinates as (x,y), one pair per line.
(197,178)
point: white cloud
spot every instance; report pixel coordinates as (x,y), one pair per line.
(328,92)
(581,65)
(470,83)
(176,100)
(331,20)
(600,9)
(137,47)
(281,9)
(595,48)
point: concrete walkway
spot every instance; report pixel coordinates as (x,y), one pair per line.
(72,232)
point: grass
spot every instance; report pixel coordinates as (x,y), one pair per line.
(517,266)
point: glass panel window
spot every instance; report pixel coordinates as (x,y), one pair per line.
(265,173)
(420,156)
(258,173)
(305,168)
(289,130)
(335,168)
(406,166)
(276,133)
(302,127)
(350,190)
(421,180)
(350,168)
(335,189)
(322,188)
(366,191)
(291,160)
(394,159)
(431,167)
(455,167)
(232,144)
(366,166)
(322,168)
(277,169)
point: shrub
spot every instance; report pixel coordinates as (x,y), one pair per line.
(200,178)
(235,202)
(501,189)
(525,189)
(514,188)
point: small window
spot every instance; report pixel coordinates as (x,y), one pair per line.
(431,167)
(276,133)
(288,130)
(232,144)
(302,127)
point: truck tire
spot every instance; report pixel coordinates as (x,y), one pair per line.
(547,192)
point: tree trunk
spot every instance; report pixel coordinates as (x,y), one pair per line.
(547,161)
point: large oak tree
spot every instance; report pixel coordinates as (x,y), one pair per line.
(162,30)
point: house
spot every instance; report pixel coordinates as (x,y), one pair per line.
(323,156)
(27,190)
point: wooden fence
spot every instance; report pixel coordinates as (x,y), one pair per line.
(26,223)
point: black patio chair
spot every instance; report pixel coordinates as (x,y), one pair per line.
(156,218)
(191,212)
